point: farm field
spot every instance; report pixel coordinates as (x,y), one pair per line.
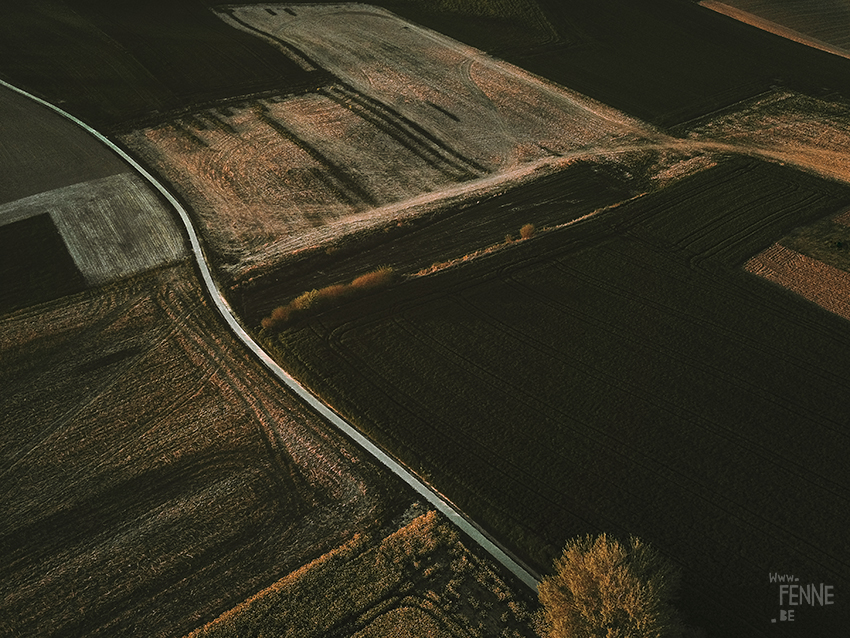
(820,283)
(411,119)
(680,398)
(71,215)
(111,64)
(147,490)
(449,232)
(786,126)
(153,475)
(31,158)
(420,580)
(664,61)
(820,26)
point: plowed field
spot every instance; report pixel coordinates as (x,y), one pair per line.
(153,476)
(624,374)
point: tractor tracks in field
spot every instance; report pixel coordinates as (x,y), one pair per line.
(469,527)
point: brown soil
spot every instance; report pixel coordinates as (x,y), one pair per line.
(818,282)
(153,474)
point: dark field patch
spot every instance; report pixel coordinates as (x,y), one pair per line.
(111,62)
(450,233)
(42,151)
(624,375)
(666,61)
(34,264)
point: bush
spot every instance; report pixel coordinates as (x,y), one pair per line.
(281,313)
(379,277)
(602,588)
(527,231)
(305,300)
(329,293)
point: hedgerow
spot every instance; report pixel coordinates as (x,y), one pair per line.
(327,296)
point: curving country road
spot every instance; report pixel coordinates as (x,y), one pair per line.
(439,502)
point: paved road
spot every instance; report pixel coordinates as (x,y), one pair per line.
(434,498)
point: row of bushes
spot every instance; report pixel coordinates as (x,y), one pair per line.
(323,297)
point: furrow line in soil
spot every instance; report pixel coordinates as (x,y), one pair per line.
(351,191)
(391,114)
(405,138)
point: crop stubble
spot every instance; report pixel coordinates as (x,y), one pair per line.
(153,475)
(410,113)
(420,580)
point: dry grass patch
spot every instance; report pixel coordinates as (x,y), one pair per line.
(412,115)
(790,127)
(327,296)
(153,476)
(420,580)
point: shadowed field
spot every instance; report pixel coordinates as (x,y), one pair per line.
(153,475)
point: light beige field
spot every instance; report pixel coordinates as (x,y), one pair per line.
(814,280)
(412,118)
(788,127)
(113,226)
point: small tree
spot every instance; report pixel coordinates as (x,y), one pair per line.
(527,231)
(604,589)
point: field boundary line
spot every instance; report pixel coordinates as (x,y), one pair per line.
(470,528)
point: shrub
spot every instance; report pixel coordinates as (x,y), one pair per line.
(281,313)
(379,277)
(602,588)
(527,231)
(329,293)
(305,300)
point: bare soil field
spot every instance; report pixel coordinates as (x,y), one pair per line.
(448,232)
(71,215)
(680,398)
(41,151)
(111,63)
(665,61)
(411,115)
(419,581)
(822,25)
(35,264)
(818,282)
(153,475)
(113,227)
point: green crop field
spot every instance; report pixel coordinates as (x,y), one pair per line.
(624,375)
